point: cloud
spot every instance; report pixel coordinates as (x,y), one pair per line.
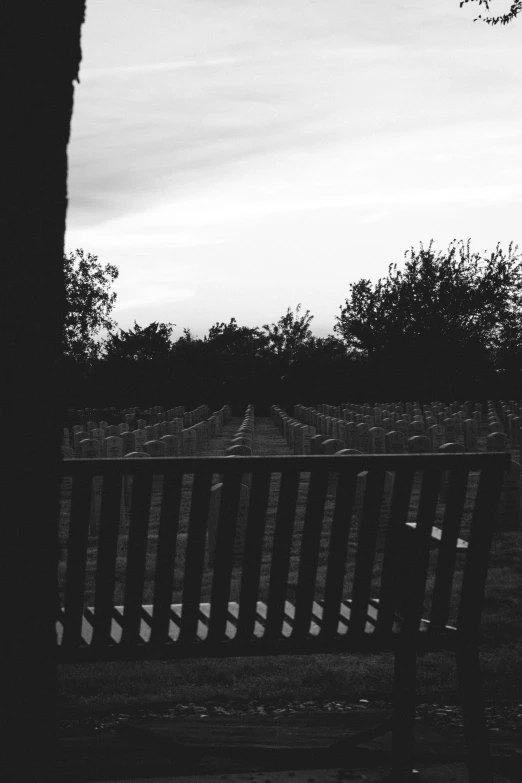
(262,99)
(152,295)
(92,73)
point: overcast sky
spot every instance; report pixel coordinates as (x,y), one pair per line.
(235,157)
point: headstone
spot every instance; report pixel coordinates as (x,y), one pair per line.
(315,443)
(331,446)
(419,444)
(395,442)
(172,445)
(140,439)
(387,424)
(307,433)
(90,448)
(78,436)
(128,442)
(238,451)
(113,447)
(497,441)
(437,435)
(362,438)
(189,442)
(470,427)
(156,448)
(377,440)
(160,430)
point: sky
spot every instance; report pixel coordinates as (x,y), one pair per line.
(234,158)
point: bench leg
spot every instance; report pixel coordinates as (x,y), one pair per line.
(475,731)
(405,664)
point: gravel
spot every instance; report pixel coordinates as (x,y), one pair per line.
(499,717)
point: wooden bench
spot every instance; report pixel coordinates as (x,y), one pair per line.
(306,580)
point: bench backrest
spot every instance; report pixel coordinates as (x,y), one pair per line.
(299,534)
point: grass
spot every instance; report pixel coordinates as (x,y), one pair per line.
(300,678)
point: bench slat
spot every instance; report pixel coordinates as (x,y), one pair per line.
(336,566)
(392,577)
(418,547)
(166,555)
(282,544)
(106,563)
(481,534)
(224,556)
(366,544)
(256,522)
(309,557)
(136,556)
(444,572)
(76,560)
(195,553)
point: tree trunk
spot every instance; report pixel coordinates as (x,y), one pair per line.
(41,53)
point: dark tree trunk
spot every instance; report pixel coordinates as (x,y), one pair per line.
(41,54)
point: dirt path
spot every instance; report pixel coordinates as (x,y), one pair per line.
(267,440)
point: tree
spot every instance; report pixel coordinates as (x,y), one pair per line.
(140,344)
(514,10)
(41,53)
(290,334)
(446,315)
(90,303)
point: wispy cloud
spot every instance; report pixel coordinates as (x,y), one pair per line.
(144,68)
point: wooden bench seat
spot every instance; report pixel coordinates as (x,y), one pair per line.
(232,643)
(436,537)
(294,570)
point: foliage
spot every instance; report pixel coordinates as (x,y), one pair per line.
(514,10)
(290,334)
(90,303)
(452,311)
(152,342)
(446,325)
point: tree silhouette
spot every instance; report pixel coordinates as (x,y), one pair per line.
(514,10)
(41,54)
(445,315)
(90,302)
(148,343)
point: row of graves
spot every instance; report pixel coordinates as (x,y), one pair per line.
(404,428)
(241,445)
(175,433)
(397,428)
(507,418)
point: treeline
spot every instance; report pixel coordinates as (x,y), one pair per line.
(445,326)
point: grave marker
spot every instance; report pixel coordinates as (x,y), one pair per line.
(113,447)
(419,444)
(172,445)
(156,448)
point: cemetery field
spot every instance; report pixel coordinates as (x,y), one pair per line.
(305,677)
